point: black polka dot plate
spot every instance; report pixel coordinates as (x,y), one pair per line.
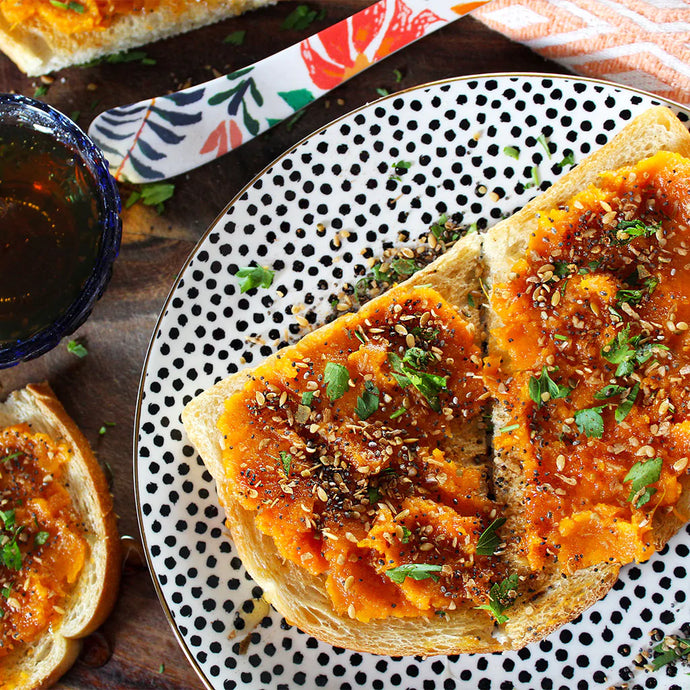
(348,191)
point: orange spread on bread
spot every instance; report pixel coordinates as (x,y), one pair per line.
(75,16)
(42,545)
(346,447)
(597,362)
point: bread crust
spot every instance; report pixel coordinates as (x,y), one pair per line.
(37,48)
(42,663)
(547,600)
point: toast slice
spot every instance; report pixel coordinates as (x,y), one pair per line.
(552,600)
(39,46)
(549,593)
(39,663)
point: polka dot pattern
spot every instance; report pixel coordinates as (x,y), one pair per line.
(481,147)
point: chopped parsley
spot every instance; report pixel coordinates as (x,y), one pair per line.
(668,653)
(398,75)
(11,456)
(501,597)
(337,380)
(152,194)
(254,277)
(542,140)
(627,230)
(512,152)
(624,408)
(307,398)
(368,402)
(286,462)
(398,413)
(71,6)
(75,348)
(642,475)
(415,571)
(406,534)
(489,540)
(626,352)
(590,422)
(406,372)
(508,429)
(540,385)
(41,538)
(11,556)
(568,159)
(373,494)
(381,91)
(609,391)
(301,17)
(236,38)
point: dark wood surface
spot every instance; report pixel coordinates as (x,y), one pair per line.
(136,648)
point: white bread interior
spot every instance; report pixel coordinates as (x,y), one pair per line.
(38,48)
(40,664)
(547,600)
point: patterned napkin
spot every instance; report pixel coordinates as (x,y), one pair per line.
(640,43)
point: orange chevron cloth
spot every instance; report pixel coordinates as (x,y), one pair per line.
(640,43)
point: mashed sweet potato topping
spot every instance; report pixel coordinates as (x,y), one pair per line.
(75,16)
(42,547)
(347,447)
(597,373)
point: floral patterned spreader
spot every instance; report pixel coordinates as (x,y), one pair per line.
(162,137)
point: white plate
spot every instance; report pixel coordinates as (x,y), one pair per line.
(453,133)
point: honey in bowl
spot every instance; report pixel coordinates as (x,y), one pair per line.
(59,227)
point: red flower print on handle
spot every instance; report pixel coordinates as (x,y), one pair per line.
(345,44)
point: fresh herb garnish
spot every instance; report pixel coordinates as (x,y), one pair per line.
(568,159)
(398,75)
(75,348)
(508,429)
(41,91)
(254,277)
(152,194)
(406,372)
(540,385)
(406,534)
(11,555)
(368,402)
(501,597)
(542,140)
(608,392)
(41,538)
(301,17)
(398,413)
(71,5)
(373,494)
(381,91)
(590,422)
(8,518)
(558,336)
(337,378)
(236,38)
(629,296)
(286,462)
(642,474)
(415,571)
(624,408)
(488,540)
(667,654)
(626,351)
(11,456)
(104,428)
(512,152)
(307,398)
(534,173)
(627,230)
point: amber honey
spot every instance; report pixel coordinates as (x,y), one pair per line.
(49,230)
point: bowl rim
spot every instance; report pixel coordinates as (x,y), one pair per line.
(110,224)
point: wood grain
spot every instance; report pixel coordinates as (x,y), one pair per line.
(136,648)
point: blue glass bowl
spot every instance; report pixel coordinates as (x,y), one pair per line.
(25,120)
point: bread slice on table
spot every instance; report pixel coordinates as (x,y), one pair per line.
(558,599)
(546,599)
(300,596)
(42,662)
(38,46)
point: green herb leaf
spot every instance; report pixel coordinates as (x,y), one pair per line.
(152,194)
(307,398)
(40,91)
(405,373)
(368,402)
(512,152)
(254,277)
(642,475)
(667,654)
(405,539)
(382,91)
(71,5)
(508,429)
(12,456)
(11,555)
(500,598)
(489,540)
(336,377)
(629,296)
(402,165)
(415,571)
(8,517)
(398,413)
(627,230)
(161,668)
(542,140)
(568,159)
(398,75)
(75,348)
(558,336)
(539,385)
(624,408)
(41,538)
(236,38)
(301,17)
(608,392)
(286,462)
(373,494)
(590,422)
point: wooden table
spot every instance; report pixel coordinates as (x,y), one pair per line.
(136,648)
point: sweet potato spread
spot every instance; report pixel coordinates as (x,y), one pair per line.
(42,547)
(345,446)
(597,372)
(74,16)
